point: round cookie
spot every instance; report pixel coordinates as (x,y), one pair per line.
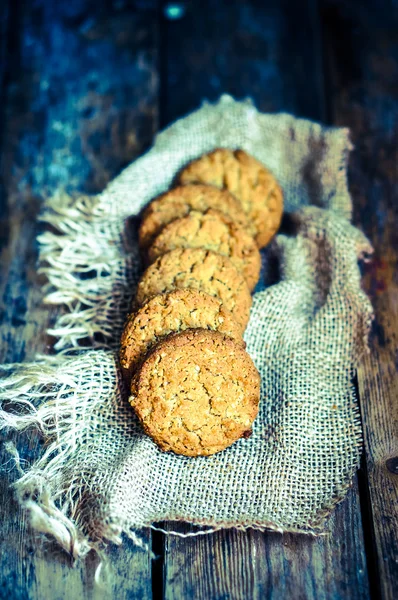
(179,202)
(212,231)
(248,180)
(198,269)
(196,393)
(172,313)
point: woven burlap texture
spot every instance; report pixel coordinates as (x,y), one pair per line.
(100,475)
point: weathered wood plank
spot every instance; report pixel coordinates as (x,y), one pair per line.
(80,102)
(362,53)
(239,565)
(271,52)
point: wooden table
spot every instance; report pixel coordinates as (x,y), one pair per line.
(84,86)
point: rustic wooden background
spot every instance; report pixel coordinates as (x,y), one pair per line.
(84,86)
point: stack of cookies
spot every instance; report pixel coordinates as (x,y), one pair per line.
(193,385)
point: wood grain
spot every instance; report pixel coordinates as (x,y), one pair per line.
(364,97)
(239,565)
(79,102)
(270,52)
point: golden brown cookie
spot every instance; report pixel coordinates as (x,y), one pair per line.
(180,201)
(172,313)
(198,269)
(248,180)
(212,231)
(196,393)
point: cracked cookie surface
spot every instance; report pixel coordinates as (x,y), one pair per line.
(214,231)
(248,180)
(180,201)
(172,313)
(198,269)
(196,393)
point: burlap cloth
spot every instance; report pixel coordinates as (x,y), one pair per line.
(100,475)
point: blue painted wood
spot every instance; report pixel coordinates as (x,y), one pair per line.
(79,101)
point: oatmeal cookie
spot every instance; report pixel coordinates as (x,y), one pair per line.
(198,269)
(212,231)
(248,180)
(196,393)
(180,201)
(172,313)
